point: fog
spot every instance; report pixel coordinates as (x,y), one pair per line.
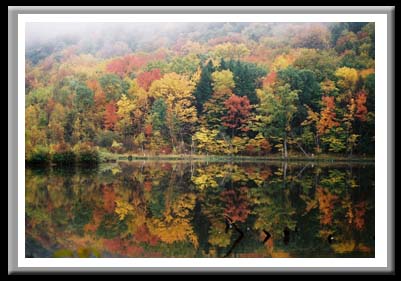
(45,32)
(105,40)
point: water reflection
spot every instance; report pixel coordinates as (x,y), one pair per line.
(181,209)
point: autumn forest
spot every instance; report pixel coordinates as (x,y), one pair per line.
(200,140)
(239,89)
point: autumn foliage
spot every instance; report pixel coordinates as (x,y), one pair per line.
(145,79)
(238,111)
(328,115)
(110,115)
(123,66)
(326,205)
(236,204)
(255,89)
(361,109)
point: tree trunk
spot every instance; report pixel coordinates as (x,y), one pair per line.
(300,147)
(285,148)
(284,174)
(317,143)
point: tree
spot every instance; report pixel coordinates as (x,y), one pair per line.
(304,81)
(323,121)
(282,61)
(336,30)
(127,64)
(347,78)
(277,107)
(175,224)
(313,37)
(348,122)
(327,116)
(309,93)
(238,111)
(214,108)
(270,79)
(76,131)
(56,124)
(186,65)
(231,51)
(158,114)
(205,139)
(361,109)
(177,91)
(237,206)
(258,145)
(148,130)
(110,116)
(326,204)
(247,77)
(223,80)
(347,41)
(323,63)
(35,136)
(146,78)
(336,139)
(113,86)
(83,97)
(208,141)
(125,111)
(204,88)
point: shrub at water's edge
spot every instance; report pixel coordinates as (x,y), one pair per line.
(63,158)
(61,155)
(39,156)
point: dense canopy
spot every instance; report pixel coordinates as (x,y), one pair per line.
(206,88)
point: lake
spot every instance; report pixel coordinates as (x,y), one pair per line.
(201,209)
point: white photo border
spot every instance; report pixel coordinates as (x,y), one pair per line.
(381,255)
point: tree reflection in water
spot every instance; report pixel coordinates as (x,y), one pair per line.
(198,209)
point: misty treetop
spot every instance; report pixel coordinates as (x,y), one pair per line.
(207,88)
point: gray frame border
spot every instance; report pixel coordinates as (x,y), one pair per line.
(13,12)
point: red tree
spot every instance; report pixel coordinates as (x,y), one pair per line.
(117,66)
(236,204)
(327,116)
(110,115)
(270,79)
(123,66)
(145,79)
(109,198)
(148,130)
(50,106)
(100,99)
(238,111)
(361,110)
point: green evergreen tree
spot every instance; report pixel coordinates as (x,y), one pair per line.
(204,89)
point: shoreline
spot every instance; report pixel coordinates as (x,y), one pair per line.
(223,158)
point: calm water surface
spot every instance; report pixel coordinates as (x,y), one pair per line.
(199,209)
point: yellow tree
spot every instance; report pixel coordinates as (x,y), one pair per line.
(56,122)
(347,82)
(175,225)
(34,135)
(176,90)
(223,80)
(207,141)
(348,78)
(282,61)
(125,108)
(231,51)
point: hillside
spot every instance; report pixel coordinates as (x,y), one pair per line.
(250,89)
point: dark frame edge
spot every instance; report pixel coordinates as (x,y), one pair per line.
(13,12)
